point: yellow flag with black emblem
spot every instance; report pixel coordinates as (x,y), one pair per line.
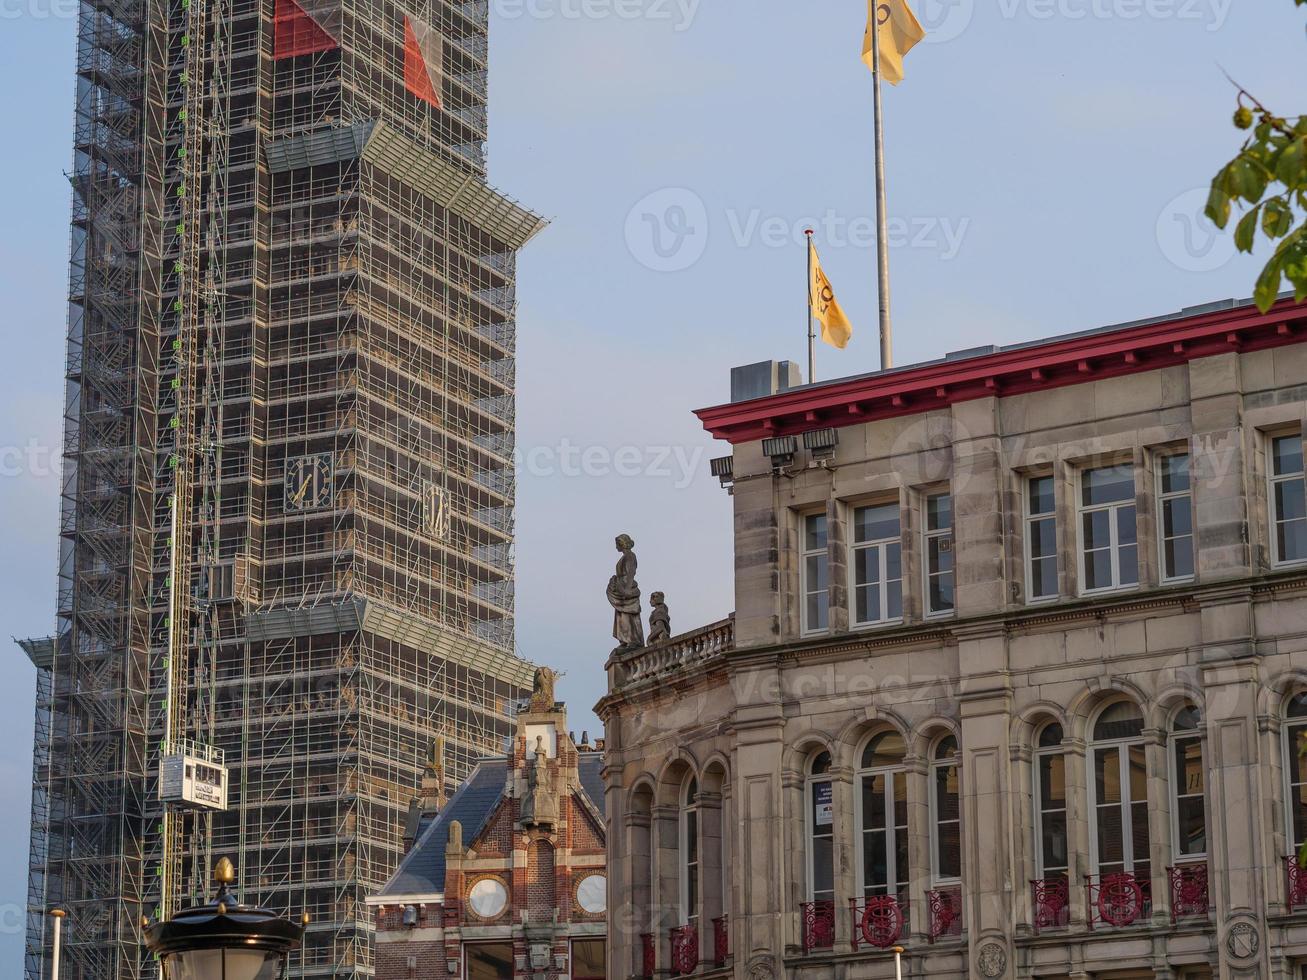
(899,31)
(835,327)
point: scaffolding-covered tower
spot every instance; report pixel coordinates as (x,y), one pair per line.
(342,391)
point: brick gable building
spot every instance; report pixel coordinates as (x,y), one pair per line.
(507,878)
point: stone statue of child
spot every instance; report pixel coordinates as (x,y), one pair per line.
(660,620)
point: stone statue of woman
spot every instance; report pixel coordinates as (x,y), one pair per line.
(624,597)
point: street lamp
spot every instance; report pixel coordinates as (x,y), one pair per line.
(224,940)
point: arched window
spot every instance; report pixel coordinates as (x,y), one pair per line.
(1188,786)
(821,830)
(1050,804)
(882,806)
(946,814)
(1118,793)
(690,852)
(1295,767)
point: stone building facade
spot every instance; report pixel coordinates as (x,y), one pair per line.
(505,879)
(1017,678)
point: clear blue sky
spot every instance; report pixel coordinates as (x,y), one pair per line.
(1044,157)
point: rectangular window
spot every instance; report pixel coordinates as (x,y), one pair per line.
(1295,762)
(489,961)
(877,565)
(589,959)
(939,554)
(815,574)
(884,817)
(947,863)
(822,851)
(1175,505)
(1120,795)
(1288,501)
(1053,850)
(1190,826)
(1109,551)
(1041,538)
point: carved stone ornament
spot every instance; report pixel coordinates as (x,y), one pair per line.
(762,968)
(992,960)
(1243,941)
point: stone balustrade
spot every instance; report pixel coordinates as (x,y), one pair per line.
(678,653)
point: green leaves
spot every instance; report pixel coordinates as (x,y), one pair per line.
(1291,167)
(1277,218)
(1273,161)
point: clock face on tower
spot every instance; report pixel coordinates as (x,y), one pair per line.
(310,483)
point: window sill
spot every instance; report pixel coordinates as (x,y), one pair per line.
(1280,566)
(1114,590)
(878,625)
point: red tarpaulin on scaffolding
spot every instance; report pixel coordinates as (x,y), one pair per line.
(296,33)
(422,55)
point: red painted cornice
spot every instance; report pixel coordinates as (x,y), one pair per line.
(1055,364)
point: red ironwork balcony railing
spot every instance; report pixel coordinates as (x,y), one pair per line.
(945,913)
(1189,897)
(648,956)
(721,940)
(1296,880)
(685,950)
(1119,900)
(818,925)
(1051,900)
(879,922)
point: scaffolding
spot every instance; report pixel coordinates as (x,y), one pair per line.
(288,493)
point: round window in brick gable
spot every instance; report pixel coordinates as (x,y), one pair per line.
(592,895)
(488,898)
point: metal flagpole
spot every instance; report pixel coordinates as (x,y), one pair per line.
(882,218)
(812,336)
(898,962)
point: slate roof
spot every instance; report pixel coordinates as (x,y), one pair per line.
(591,765)
(422,872)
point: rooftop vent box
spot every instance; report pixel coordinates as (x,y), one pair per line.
(962,355)
(763,379)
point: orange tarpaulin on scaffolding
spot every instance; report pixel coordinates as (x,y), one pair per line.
(422,60)
(295,32)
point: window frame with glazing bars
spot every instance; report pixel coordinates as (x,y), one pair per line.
(821,554)
(1165,497)
(1052,751)
(1174,738)
(1030,518)
(938,765)
(1115,547)
(944,535)
(1274,480)
(884,582)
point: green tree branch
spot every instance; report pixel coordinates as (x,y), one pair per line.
(1268,181)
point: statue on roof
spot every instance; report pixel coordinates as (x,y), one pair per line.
(624,597)
(542,692)
(660,620)
(540,802)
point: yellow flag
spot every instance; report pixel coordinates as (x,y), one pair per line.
(899,33)
(835,327)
